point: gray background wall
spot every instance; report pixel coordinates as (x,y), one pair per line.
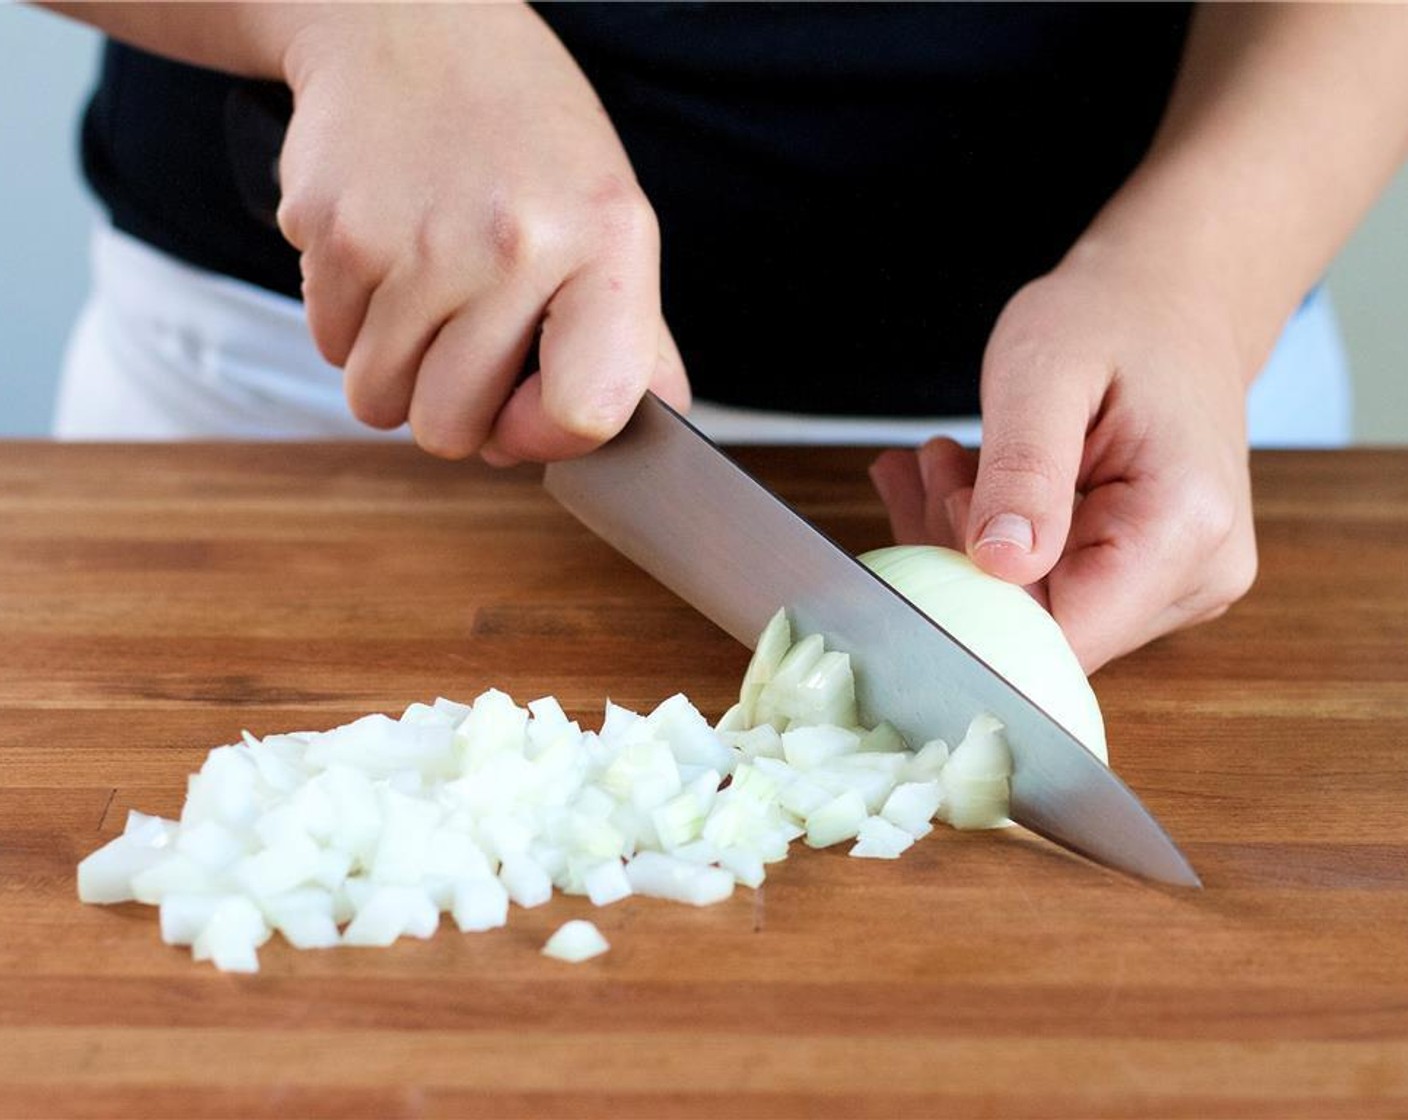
(46,65)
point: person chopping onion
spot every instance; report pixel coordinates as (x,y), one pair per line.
(497,226)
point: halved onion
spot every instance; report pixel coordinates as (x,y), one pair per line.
(1003,625)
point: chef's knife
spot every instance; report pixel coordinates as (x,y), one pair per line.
(671,501)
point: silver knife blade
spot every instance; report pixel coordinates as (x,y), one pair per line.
(668,499)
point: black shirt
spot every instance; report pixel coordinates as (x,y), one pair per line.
(848,194)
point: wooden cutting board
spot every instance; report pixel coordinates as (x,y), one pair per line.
(154,600)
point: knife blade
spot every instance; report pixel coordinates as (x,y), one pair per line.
(664,496)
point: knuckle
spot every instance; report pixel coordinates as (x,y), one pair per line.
(1239,573)
(332,340)
(1230,580)
(1027,324)
(1216,531)
(1217,514)
(344,244)
(514,238)
(1208,511)
(598,418)
(947,461)
(334,331)
(624,216)
(347,243)
(294,218)
(444,441)
(378,414)
(1022,462)
(373,405)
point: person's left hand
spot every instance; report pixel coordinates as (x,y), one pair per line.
(1112,479)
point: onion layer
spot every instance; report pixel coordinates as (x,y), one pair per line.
(1004,626)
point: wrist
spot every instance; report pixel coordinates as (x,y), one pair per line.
(304,36)
(1210,247)
(395,37)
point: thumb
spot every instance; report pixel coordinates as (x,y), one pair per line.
(1034,429)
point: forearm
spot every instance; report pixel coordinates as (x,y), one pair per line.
(1284,125)
(249,39)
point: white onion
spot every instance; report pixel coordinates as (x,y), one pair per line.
(838,819)
(307,917)
(184,916)
(606,882)
(912,805)
(576,941)
(877,838)
(657,875)
(480,902)
(975,779)
(1003,625)
(390,912)
(106,875)
(230,937)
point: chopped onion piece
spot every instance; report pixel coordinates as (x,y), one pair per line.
(873,786)
(525,880)
(976,812)
(480,903)
(231,937)
(975,780)
(184,916)
(762,741)
(105,876)
(826,695)
(153,832)
(877,838)
(744,864)
(883,738)
(175,874)
(278,869)
(657,875)
(606,883)
(912,806)
(839,819)
(772,646)
(778,697)
(810,746)
(928,761)
(390,912)
(306,917)
(804,796)
(403,849)
(576,941)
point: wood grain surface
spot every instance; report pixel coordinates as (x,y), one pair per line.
(154,600)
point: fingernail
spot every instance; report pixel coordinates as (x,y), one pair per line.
(1009,529)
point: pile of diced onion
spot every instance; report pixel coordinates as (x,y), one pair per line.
(371,831)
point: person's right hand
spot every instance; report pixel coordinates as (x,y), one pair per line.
(455,187)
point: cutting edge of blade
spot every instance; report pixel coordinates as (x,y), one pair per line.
(1180,874)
